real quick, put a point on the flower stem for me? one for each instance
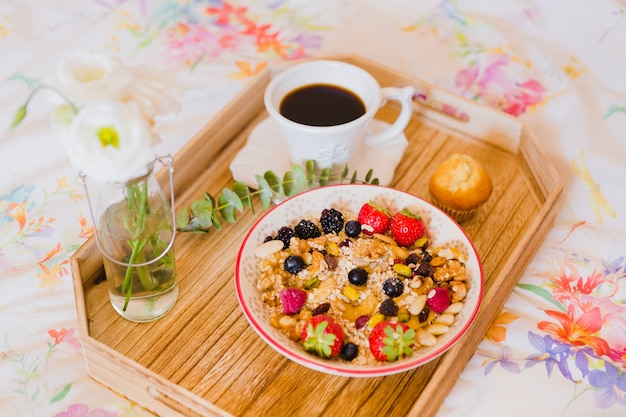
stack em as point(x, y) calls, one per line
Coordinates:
point(137, 200)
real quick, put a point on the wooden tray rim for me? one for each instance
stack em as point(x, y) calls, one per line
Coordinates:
point(167, 398)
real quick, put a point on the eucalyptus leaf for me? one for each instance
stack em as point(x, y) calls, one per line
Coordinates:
point(202, 211)
point(299, 179)
point(345, 173)
point(217, 222)
point(182, 219)
point(243, 192)
point(310, 173)
point(227, 203)
point(324, 176)
point(288, 184)
point(265, 192)
point(274, 181)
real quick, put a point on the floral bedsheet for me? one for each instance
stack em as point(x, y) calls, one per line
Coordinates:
point(557, 348)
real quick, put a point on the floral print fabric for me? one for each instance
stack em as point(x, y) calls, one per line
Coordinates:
point(558, 347)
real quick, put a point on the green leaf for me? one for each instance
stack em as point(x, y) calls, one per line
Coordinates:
point(228, 202)
point(20, 114)
point(324, 176)
point(217, 222)
point(274, 181)
point(345, 173)
point(265, 192)
point(299, 179)
point(310, 173)
point(368, 176)
point(546, 295)
point(61, 394)
point(202, 211)
point(243, 192)
point(182, 218)
point(288, 184)
point(354, 178)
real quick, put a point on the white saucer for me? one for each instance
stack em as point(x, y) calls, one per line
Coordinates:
point(265, 150)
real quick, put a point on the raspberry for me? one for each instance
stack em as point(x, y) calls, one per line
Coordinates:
point(292, 300)
point(331, 221)
point(306, 229)
point(438, 299)
point(285, 234)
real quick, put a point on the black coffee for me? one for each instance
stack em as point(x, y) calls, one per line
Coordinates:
point(322, 105)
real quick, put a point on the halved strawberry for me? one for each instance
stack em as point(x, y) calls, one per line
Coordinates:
point(322, 336)
point(390, 341)
point(406, 227)
point(292, 300)
point(373, 218)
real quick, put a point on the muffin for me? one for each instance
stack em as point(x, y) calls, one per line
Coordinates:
point(460, 186)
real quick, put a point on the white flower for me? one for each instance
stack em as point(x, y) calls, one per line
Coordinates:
point(108, 141)
point(89, 77)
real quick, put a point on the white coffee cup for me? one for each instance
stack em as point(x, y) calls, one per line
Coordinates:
point(334, 146)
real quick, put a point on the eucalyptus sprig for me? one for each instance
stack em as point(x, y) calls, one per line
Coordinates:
point(209, 212)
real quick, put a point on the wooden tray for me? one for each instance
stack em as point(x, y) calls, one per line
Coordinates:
point(204, 359)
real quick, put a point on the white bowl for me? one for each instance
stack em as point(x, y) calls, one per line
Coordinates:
point(441, 228)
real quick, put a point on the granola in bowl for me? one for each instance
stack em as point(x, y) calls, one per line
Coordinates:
point(332, 291)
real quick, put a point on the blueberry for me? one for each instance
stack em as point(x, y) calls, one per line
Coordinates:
point(393, 287)
point(349, 351)
point(353, 228)
point(357, 276)
point(293, 264)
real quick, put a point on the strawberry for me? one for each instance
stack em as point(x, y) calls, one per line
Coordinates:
point(406, 227)
point(292, 300)
point(390, 341)
point(322, 336)
point(373, 218)
point(438, 299)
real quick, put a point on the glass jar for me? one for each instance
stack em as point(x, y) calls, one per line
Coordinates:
point(135, 231)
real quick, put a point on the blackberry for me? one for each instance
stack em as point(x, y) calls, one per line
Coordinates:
point(353, 228)
point(331, 221)
point(285, 234)
point(306, 229)
point(393, 287)
point(349, 351)
point(389, 307)
point(293, 264)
